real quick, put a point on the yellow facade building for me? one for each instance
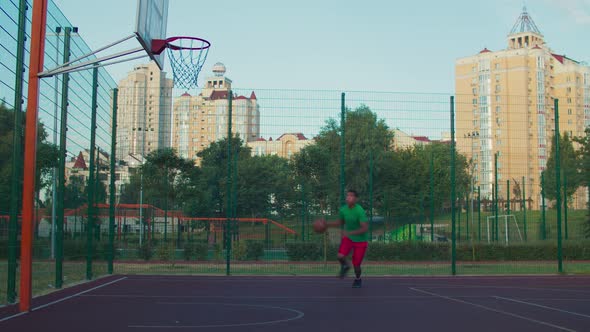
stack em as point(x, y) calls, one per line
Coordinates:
point(505, 105)
point(285, 146)
point(203, 119)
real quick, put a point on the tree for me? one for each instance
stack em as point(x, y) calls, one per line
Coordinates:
point(266, 187)
point(404, 179)
point(74, 193)
point(163, 176)
point(319, 164)
point(569, 169)
point(214, 160)
point(46, 157)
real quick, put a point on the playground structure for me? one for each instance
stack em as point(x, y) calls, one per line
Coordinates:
point(159, 224)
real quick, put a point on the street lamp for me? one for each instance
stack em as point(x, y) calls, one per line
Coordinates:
point(472, 136)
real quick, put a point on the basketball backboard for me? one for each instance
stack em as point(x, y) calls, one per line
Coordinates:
point(152, 20)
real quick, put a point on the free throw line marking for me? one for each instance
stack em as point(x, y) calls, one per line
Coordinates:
point(298, 315)
point(542, 306)
point(493, 310)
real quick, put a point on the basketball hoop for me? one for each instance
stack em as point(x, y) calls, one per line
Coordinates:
point(187, 56)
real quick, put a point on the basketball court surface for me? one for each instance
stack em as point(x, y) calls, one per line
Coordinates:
point(158, 303)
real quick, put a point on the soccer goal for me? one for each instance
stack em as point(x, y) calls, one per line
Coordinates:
point(510, 230)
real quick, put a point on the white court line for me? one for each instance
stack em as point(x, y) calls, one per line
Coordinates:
point(262, 297)
point(62, 299)
point(542, 306)
point(507, 287)
point(298, 313)
point(390, 277)
point(13, 316)
point(493, 310)
point(555, 299)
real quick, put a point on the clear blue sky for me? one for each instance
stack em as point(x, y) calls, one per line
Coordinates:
point(407, 46)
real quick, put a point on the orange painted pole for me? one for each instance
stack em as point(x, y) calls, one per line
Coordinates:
point(37, 53)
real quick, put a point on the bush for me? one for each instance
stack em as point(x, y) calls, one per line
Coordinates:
point(408, 251)
point(441, 252)
point(165, 252)
point(254, 250)
point(76, 249)
point(195, 251)
point(239, 251)
point(304, 251)
point(145, 252)
point(218, 252)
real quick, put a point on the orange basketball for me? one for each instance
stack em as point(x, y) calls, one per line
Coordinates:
point(319, 226)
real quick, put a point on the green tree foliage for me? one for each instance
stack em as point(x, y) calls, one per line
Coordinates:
point(569, 169)
point(214, 161)
point(46, 157)
point(401, 177)
point(319, 164)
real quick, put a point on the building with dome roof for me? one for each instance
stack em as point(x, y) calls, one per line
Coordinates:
point(201, 119)
point(505, 107)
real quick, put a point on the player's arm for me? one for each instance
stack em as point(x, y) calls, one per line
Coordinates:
point(335, 224)
point(361, 230)
point(338, 223)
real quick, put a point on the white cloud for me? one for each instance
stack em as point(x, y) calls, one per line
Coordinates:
point(578, 10)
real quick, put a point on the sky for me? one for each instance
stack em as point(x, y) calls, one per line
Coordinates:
point(401, 46)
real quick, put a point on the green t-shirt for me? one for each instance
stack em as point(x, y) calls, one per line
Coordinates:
point(353, 217)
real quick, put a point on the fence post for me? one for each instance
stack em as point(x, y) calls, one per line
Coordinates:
point(496, 226)
point(479, 213)
point(228, 233)
point(524, 207)
point(565, 208)
point(558, 187)
point(431, 195)
point(112, 198)
point(459, 218)
point(61, 169)
point(15, 192)
point(543, 220)
point(453, 193)
point(91, 174)
point(342, 147)
point(371, 165)
point(507, 210)
point(166, 207)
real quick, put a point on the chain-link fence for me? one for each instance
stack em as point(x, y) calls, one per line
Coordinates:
point(68, 105)
point(230, 181)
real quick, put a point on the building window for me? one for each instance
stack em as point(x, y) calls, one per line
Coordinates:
point(569, 100)
point(474, 101)
point(498, 78)
point(498, 99)
point(474, 91)
point(498, 109)
point(498, 88)
point(497, 67)
point(569, 111)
